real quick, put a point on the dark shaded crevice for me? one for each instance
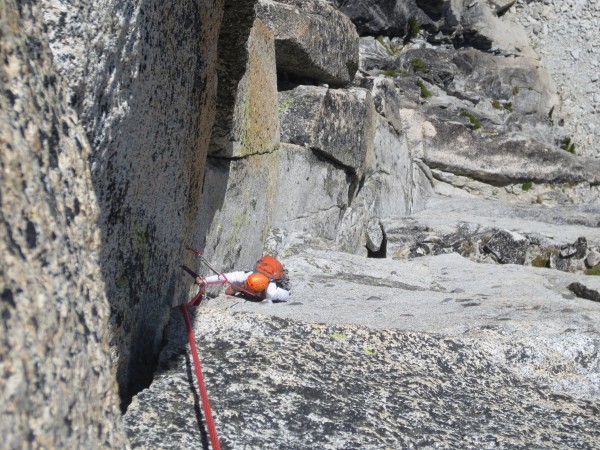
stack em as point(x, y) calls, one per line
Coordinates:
point(287, 81)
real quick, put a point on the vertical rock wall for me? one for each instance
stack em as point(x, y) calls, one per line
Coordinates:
point(56, 385)
point(142, 76)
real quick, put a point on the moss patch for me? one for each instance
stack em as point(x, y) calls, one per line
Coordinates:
point(540, 261)
point(593, 271)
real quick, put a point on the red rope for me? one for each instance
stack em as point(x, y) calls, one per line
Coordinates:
point(210, 423)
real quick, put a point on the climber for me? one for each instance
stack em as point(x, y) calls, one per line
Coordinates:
point(268, 281)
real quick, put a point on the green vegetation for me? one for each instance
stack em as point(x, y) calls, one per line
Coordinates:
point(391, 48)
point(593, 271)
point(515, 90)
point(394, 72)
point(540, 261)
point(419, 65)
point(425, 93)
point(506, 105)
point(567, 145)
point(474, 121)
point(413, 26)
point(526, 186)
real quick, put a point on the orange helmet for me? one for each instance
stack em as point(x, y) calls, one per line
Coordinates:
point(257, 282)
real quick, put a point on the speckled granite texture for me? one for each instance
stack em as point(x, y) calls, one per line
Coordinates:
point(276, 383)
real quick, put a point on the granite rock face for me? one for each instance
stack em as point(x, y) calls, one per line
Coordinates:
point(306, 114)
point(374, 17)
point(415, 355)
point(313, 40)
point(246, 121)
point(56, 385)
point(142, 78)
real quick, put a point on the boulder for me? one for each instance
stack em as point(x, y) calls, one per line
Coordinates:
point(519, 80)
point(577, 250)
point(508, 247)
point(375, 57)
point(339, 124)
point(593, 258)
point(246, 121)
point(559, 263)
point(374, 236)
point(57, 388)
point(473, 75)
point(582, 291)
point(388, 187)
point(312, 40)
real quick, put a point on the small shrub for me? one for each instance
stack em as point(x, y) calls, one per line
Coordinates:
point(474, 121)
point(540, 261)
point(567, 145)
point(419, 65)
point(496, 104)
point(425, 93)
point(593, 271)
point(526, 186)
point(394, 72)
point(515, 90)
point(413, 27)
point(507, 106)
point(390, 48)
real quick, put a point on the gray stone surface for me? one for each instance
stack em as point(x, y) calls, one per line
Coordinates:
point(456, 148)
point(433, 352)
point(312, 40)
point(56, 385)
point(141, 76)
point(312, 194)
point(593, 258)
point(377, 17)
point(237, 209)
point(338, 123)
